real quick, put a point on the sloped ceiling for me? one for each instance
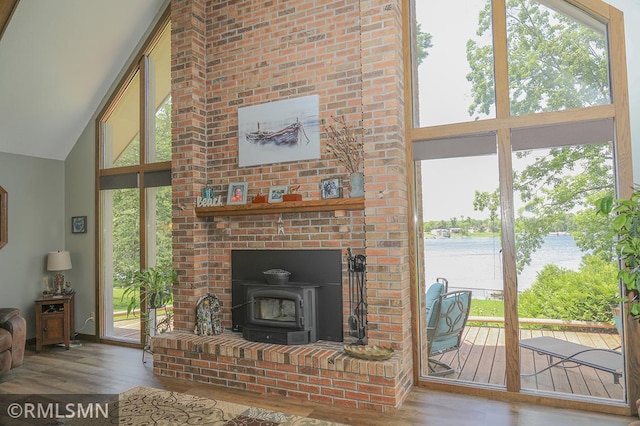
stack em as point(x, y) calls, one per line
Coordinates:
point(57, 61)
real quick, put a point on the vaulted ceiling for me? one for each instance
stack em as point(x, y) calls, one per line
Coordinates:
point(58, 59)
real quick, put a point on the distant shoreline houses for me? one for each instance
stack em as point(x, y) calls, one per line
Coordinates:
point(446, 232)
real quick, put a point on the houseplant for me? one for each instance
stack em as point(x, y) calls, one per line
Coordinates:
point(626, 225)
point(346, 146)
point(152, 287)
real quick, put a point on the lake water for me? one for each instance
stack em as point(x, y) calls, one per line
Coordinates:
point(476, 263)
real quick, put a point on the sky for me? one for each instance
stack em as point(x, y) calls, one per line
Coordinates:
point(445, 95)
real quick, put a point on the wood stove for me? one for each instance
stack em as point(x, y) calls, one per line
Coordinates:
point(284, 315)
point(306, 309)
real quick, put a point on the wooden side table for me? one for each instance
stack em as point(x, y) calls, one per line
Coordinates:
point(54, 320)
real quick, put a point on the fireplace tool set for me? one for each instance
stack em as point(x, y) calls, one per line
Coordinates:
point(357, 304)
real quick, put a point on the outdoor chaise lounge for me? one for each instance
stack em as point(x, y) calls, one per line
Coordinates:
point(568, 352)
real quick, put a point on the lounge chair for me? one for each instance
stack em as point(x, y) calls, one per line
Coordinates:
point(447, 314)
point(571, 355)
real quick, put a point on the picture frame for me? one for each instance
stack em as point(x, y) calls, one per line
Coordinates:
point(279, 131)
point(79, 224)
point(330, 188)
point(276, 193)
point(237, 193)
point(4, 220)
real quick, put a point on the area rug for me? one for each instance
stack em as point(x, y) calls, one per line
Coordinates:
point(147, 406)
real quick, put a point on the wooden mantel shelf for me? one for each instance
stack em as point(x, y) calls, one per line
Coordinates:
point(283, 207)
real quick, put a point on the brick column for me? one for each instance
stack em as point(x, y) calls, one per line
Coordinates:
point(188, 59)
point(385, 169)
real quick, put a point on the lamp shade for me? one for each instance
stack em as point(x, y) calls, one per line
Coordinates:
point(58, 261)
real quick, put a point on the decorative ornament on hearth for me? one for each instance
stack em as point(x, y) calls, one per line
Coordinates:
point(208, 316)
point(346, 146)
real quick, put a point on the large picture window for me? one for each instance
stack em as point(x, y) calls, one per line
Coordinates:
point(511, 147)
point(134, 184)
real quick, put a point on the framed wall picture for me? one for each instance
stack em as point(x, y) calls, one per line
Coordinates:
point(237, 193)
point(276, 193)
point(279, 131)
point(330, 188)
point(4, 220)
point(79, 224)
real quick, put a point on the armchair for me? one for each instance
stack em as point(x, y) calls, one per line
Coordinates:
point(13, 336)
point(446, 319)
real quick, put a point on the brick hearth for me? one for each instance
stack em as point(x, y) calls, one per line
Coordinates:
point(319, 372)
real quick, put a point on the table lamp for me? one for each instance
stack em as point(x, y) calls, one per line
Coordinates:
point(58, 261)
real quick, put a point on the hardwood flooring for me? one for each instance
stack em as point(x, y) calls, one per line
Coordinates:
point(98, 368)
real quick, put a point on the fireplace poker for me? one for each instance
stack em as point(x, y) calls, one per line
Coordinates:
point(357, 319)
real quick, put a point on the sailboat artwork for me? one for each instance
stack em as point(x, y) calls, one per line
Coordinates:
point(280, 131)
point(288, 136)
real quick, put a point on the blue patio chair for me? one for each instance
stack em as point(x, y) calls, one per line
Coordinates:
point(446, 319)
point(441, 286)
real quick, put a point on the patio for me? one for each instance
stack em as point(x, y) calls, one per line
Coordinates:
point(482, 359)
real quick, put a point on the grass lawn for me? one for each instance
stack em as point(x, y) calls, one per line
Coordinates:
point(118, 303)
point(487, 308)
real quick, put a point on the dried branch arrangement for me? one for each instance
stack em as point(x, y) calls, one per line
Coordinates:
point(345, 144)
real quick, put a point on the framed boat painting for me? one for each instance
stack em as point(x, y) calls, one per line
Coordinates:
point(280, 131)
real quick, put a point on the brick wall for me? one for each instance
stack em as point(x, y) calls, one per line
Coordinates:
point(234, 54)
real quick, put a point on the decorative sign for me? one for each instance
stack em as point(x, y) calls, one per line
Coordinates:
point(209, 202)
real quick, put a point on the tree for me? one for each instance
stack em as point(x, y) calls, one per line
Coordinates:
point(126, 202)
point(423, 43)
point(555, 63)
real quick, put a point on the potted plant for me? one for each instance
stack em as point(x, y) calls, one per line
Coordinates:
point(152, 287)
point(627, 225)
point(346, 146)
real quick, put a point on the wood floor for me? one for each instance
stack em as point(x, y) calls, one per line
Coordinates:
point(97, 368)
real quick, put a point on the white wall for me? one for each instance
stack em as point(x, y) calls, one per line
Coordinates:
point(37, 223)
point(79, 190)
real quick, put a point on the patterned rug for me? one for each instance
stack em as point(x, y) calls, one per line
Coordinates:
point(146, 406)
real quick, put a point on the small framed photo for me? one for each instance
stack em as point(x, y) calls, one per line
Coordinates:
point(79, 224)
point(276, 193)
point(237, 193)
point(330, 188)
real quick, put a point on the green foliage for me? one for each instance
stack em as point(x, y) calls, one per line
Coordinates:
point(555, 63)
point(423, 43)
point(585, 295)
point(126, 209)
point(151, 287)
point(627, 225)
point(487, 308)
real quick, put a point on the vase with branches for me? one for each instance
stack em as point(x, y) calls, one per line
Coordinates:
point(345, 145)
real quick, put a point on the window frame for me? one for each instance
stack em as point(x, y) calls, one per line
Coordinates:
point(423, 139)
point(140, 65)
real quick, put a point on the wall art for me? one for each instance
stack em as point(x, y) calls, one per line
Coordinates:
point(78, 224)
point(279, 131)
point(276, 193)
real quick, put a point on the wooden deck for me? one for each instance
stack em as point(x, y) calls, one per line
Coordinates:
point(482, 361)
point(127, 329)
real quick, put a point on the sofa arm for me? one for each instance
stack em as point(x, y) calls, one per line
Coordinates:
point(7, 313)
point(14, 323)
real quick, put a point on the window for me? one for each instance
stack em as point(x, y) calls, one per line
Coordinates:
point(517, 132)
point(135, 184)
